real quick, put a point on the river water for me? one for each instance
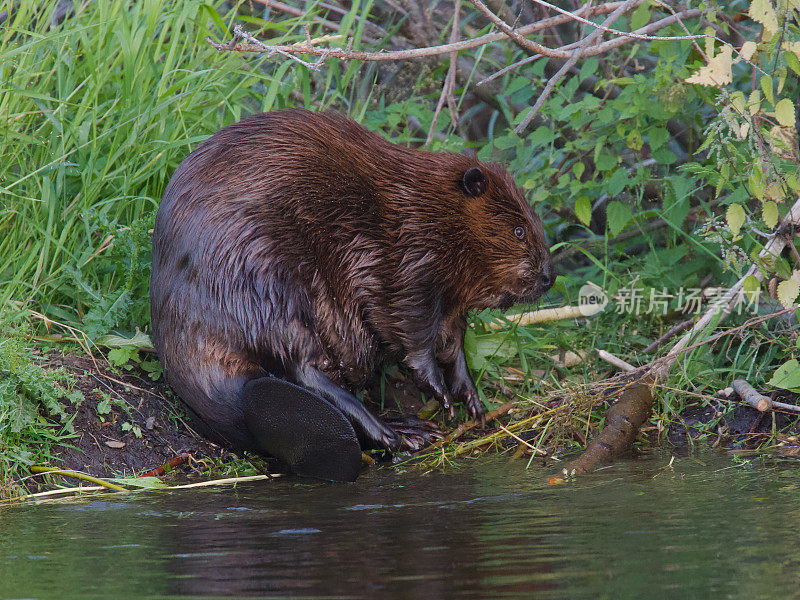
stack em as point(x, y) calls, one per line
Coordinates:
point(705, 527)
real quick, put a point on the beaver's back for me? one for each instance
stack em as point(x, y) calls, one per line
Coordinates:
point(275, 225)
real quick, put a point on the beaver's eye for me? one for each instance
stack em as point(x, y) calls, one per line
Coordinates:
point(519, 232)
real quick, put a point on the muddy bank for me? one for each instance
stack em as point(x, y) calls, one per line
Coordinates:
point(128, 424)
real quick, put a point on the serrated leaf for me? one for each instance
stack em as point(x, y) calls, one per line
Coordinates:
point(735, 218)
point(766, 87)
point(784, 112)
point(769, 214)
point(756, 181)
point(754, 102)
point(787, 292)
point(618, 215)
point(744, 129)
point(738, 102)
point(657, 136)
point(104, 406)
point(583, 210)
point(617, 182)
point(793, 61)
point(763, 12)
point(748, 49)
point(121, 356)
point(717, 71)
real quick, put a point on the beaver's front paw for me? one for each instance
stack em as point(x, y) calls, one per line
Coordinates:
point(417, 433)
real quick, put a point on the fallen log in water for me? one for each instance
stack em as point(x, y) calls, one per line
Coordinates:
point(623, 421)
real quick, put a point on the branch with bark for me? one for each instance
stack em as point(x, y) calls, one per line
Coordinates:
point(245, 42)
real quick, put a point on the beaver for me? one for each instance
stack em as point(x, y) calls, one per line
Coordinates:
point(293, 251)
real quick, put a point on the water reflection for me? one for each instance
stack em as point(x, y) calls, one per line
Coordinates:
point(636, 530)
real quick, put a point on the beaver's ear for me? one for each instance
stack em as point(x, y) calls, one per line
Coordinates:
point(473, 182)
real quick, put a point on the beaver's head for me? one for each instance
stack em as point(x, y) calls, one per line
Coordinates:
point(509, 255)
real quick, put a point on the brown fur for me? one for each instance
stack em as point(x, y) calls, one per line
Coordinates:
point(300, 244)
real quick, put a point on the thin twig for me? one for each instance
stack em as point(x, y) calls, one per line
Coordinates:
point(637, 36)
point(669, 335)
point(573, 58)
point(605, 46)
point(449, 81)
point(521, 441)
point(325, 54)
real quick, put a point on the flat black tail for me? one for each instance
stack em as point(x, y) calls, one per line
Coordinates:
point(302, 429)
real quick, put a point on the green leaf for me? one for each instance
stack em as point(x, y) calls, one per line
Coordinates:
point(766, 87)
point(618, 215)
point(152, 368)
point(211, 13)
point(504, 142)
point(735, 217)
point(751, 286)
point(641, 16)
point(787, 376)
point(664, 156)
point(140, 341)
point(122, 356)
point(588, 67)
point(149, 483)
point(104, 406)
point(792, 61)
point(617, 182)
point(657, 136)
point(483, 349)
point(769, 214)
point(542, 136)
point(605, 161)
point(784, 112)
point(583, 209)
point(738, 102)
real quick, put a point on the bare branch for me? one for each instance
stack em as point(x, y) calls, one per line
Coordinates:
point(605, 46)
point(585, 43)
point(515, 35)
point(450, 80)
point(259, 47)
point(633, 34)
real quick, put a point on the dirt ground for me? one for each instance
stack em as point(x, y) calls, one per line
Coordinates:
point(158, 428)
point(147, 426)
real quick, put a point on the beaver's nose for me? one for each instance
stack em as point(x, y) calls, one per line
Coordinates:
point(548, 276)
